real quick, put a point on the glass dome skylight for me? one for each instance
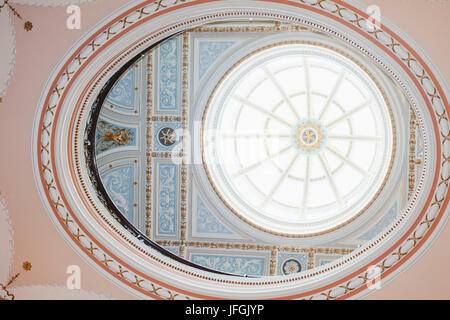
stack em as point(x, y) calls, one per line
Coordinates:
point(297, 139)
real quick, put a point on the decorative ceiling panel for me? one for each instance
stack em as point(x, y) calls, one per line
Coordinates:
point(208, 52)
point(119, 181)
point(110, 136)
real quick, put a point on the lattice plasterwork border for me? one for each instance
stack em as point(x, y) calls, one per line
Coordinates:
point(184, 169)
point(435, 97)
point(278, 27)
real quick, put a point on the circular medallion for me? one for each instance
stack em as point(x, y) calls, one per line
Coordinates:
point(167, 137)
point(291, 266)
point(309, 136)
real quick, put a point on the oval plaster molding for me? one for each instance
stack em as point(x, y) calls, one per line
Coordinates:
point(58, 144)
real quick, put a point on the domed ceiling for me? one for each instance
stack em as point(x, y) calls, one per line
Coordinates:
point(243, 149)
point(325, 144)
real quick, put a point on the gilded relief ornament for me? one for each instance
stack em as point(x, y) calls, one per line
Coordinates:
point(167, 137)
point(110, 136)
point(291, 266)
point(28, 26)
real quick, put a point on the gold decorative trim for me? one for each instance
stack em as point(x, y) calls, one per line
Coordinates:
point(413, 161)
point(110, 136)
point(167, 155)
point(148, 155)
point(184, 177)
point(354, 217)
point(273, 262)
point(274, 250)
point(249, 246)
point(278, 27)
point(311, 262)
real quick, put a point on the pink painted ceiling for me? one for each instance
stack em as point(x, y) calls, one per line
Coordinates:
point(36, 239)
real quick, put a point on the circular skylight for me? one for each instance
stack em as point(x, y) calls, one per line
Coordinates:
point(297, 139)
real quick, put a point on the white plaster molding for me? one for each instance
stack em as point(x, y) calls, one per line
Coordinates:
point(6, 242)
point(7, 49)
